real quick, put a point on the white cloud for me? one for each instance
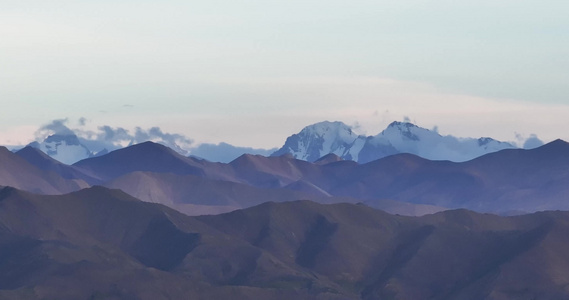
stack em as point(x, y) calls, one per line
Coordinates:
point(532, 142)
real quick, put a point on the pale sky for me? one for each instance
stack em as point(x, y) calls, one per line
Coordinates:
point(251, 73)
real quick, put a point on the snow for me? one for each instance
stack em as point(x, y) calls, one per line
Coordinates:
point(67, 154)
point(322, 138)
point(409, 138)
point(64, 148)
point(355, 149)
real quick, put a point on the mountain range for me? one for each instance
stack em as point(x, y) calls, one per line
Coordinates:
point(101, 243)
point(510, 181)
point(317, 140)
point(310, 144)
point(146, 222)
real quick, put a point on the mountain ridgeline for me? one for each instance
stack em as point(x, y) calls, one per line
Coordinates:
point(510, 181)
point(146, 222)
point(318, 140)
point(310, 144)
point(100, 243)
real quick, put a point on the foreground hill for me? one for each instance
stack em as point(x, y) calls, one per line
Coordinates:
point(101, 243)
point(104, 244)
point(450, 255)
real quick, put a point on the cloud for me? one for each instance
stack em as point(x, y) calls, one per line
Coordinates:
point(532, 142)
point(116, 137)
point(169, 137)
point(110, 134)
point(528, 143)
point(82, 121)
point(111, 138)
point(141, 135)
point(175, 141)
point(54, 127)
point(406, 119)
point(357, 128)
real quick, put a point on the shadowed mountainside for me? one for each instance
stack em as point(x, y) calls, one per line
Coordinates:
point(507, 182)
point(195, 195)
point(17, 172)
point(45, 162)
point(101, 243)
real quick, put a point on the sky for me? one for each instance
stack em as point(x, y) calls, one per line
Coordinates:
point(250, 73)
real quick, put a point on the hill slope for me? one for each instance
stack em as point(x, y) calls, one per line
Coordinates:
point(101, 243)
point(15, 171)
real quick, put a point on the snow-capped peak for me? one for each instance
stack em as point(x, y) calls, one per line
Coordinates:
point(322, 138)
point(319, 139)
point(331, 133)
point(397, 124)
point(65, 148)
point(407, 131)
point(325, 127)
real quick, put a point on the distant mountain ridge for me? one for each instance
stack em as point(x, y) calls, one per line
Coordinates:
point(310, 144)
point(320, 139)
point(510, 181)
point(65, 148)
point(317, 140)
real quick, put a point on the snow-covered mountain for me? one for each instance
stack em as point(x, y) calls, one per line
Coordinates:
point(310, 144)
point(64, 148)
point(319, 139)
point(69, 149)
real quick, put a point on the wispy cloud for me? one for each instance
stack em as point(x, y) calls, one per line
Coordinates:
point(175, 141)
point(82, 121)
point(54, 127)
point(532, 142)
point(110, 138)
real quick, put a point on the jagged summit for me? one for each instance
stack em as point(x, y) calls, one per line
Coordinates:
point(317, 140)
point(401, 124)
point(324, 127)
point(485, 140)
point(405, 130)
point(65, 148)
point(309, 144)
